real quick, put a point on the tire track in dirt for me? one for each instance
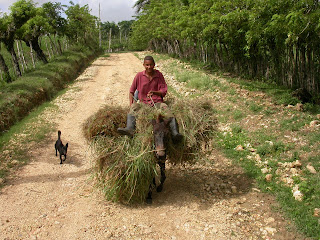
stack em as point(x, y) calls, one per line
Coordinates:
point(51, 201)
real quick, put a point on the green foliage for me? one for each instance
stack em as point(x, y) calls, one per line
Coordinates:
point(22, 11)
point(33, 24)
point(53, 14)
point(265, 40)
point(81, 24)
point(21, 96)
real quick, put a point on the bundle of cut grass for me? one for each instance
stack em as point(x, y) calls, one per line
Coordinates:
point(105, 122)
point(197, 123)
point(124, 167)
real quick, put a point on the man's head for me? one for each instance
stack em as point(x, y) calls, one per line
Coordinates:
point(149, 64)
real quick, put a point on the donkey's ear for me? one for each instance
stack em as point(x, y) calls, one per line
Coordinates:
point(67, 145)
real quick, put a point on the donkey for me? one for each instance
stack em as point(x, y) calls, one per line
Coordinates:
point(161, 134)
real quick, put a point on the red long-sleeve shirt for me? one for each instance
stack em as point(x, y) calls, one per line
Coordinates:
point(142, 83)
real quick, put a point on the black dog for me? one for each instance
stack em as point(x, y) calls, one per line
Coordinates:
point(61, 148)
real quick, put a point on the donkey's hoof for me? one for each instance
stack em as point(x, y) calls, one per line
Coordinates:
point(159, 188)
point(149, 200)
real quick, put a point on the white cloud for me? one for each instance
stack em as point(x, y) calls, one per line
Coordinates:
point(111, 10)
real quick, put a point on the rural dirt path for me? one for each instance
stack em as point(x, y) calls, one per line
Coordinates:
point(47, 200)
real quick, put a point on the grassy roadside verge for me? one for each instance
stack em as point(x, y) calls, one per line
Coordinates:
point(278, 144)
point(18, 142)
point(18, 98)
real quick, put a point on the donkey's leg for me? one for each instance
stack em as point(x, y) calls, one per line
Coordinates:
point(149, 197)
point(163, 175)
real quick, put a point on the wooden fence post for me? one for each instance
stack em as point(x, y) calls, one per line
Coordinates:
point(110, 32)
point(20, 58)
point(48, 50)
point(31, 53)
point(22, 54)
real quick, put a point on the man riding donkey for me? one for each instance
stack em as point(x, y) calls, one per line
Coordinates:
point(149, 87)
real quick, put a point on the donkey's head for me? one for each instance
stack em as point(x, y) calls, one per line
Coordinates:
point(161, 135)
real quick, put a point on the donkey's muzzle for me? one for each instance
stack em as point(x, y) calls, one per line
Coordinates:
point(161, 154)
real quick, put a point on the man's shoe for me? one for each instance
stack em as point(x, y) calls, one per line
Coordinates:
point(130, 128)
point(176, 136)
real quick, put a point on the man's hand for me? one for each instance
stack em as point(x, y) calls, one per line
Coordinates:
point(130, 98)
point(149, 95)
point(158, 93)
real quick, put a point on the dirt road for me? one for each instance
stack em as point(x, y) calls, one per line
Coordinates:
point(51, 201)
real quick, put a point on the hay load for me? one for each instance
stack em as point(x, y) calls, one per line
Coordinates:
point(125, 167)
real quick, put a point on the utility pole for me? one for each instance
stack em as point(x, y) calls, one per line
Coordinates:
point(110, 32)
point(99, 28)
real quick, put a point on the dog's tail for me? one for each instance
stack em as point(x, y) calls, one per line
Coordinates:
point(59, 134)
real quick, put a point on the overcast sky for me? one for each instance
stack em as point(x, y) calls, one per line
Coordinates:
point(111, 10)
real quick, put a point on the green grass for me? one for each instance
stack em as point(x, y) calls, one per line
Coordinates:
point(18, 138)
point(280, 94)
point(21, 96)
point(268, 112)
point(301, 213)
point(295, 123)
point(253, 107)
point(196, 80)
point(106, 55)
point(238, 114)
point(232, 92)
point(24, 100)
point(314, 138)
point(274, 149)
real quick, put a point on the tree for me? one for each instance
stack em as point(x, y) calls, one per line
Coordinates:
point(81, 24)
point(56, 23)
point(105, 29)
point(264, 39)
point(21, 12)
point(32, 30)
point(125, 27)
point(141, 4)
point(7, 36)
point(3, 64)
